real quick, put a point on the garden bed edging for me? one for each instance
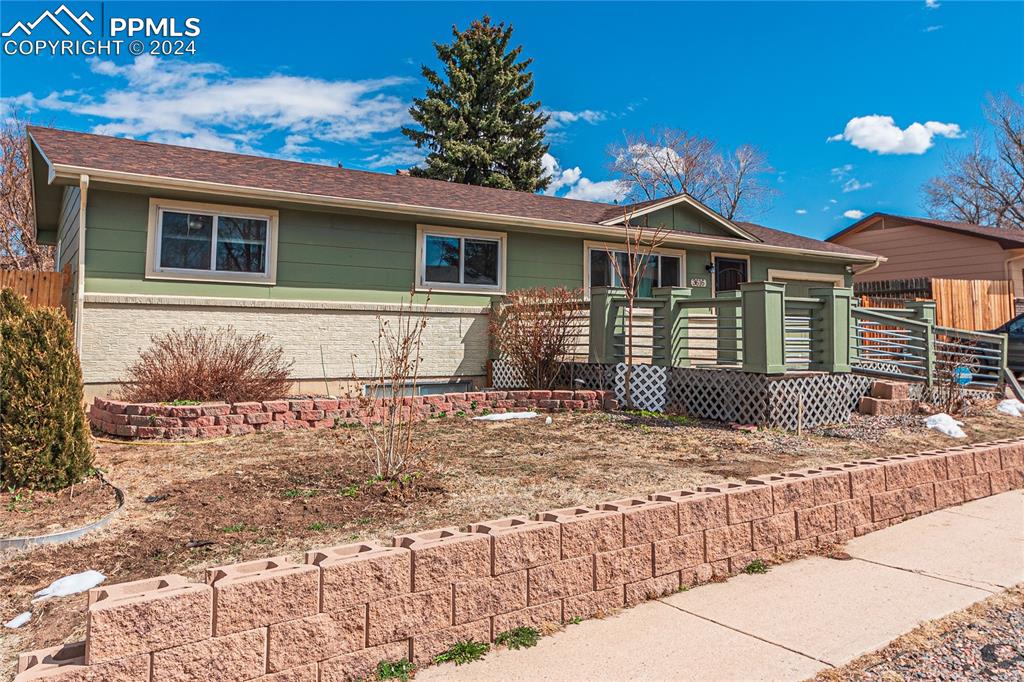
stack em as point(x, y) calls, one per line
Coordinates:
point(215, 420)
point(335, 616)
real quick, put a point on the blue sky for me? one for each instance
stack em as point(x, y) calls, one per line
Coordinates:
point(331, 82)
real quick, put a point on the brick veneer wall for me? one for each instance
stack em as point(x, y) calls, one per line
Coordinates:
point(346, 608)
point(213, 420)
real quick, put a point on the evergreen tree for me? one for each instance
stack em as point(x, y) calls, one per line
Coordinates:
point(480, 126)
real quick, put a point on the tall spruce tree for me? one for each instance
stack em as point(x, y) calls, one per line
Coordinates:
point(478, 121)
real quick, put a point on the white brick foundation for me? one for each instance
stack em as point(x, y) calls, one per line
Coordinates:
point(116, 328)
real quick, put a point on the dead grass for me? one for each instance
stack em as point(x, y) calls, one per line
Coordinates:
point(283, 493)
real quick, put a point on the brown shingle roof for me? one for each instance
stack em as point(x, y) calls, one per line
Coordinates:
point(99, 152)
point(1008, 239)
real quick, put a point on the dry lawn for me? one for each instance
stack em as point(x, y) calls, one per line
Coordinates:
point(282, 493)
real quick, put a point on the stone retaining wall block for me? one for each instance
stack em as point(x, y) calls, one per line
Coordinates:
point(262, 592)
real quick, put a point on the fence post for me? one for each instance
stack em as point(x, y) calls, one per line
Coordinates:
point(764, 327)
point(670, 325)
point(924, 311)
point(833, 346)
point(602, 324)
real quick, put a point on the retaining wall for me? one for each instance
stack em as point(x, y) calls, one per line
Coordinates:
point(346, 608)
point(213, 420)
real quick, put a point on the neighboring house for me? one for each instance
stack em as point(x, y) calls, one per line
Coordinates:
point(162, 237)
point(927, 248)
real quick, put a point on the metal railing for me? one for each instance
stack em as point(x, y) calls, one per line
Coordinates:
point(647, 326)
point(803, 332)
point(980, 354)
point(891, 345)
point(713, 333)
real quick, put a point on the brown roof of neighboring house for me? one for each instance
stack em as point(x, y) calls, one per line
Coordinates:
point(100, 152)
point(1008, 239)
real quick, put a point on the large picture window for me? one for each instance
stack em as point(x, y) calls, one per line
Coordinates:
point(663, 269)
point(209, 242)
point(450, 258)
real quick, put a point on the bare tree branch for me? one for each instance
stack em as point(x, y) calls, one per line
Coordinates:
point(985, 186)
point(669, 161)
point(18, 247)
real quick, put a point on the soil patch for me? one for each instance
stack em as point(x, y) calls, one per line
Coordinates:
point(270, 494)
point(33, 512)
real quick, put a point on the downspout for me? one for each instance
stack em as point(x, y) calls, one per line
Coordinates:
point(878, 261)
point(83, 186)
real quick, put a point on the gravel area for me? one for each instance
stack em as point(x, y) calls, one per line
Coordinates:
point(983, 642)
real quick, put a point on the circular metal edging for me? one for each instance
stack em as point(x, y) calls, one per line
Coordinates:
point(66, 535)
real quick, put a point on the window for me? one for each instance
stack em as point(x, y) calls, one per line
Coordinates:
point(463, 260)
point(730, 272)
point(209, 242)
point(663, 269)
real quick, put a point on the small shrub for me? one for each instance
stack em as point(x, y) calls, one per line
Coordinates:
point(197, 365)
point(519, 638)
point(318, 526)
point(395, 670)
point(44, 439)
point(463, 652)
point(536, 330)
point(756, 566)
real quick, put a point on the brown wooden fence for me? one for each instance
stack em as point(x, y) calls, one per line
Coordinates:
point(41, 288)
point(975, 304)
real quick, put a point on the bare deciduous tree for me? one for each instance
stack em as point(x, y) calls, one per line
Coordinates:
point(641, 241)
point(670, 161)
point(397, 359)
point(985, 186)
point(18, 247)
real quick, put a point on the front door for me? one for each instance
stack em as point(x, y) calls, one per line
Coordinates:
point(730, 273)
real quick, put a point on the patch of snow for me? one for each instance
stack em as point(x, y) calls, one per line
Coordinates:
point(71, 584)
point(1012, 407)
point(505, 416)
point(944, 423)
point(19, 620)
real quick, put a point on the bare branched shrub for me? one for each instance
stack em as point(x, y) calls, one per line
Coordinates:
point(397, 359)
point(208, 365)
point(535, 330)
point(948, 394)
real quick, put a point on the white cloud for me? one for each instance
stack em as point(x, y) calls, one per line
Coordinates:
point(854, 214)
point(880, 134)
point(931, 4)
point(203, 105)
point(843, 175)
point(562, 118)
point(578, 186)
point(402, 156)
point(932, 29)
point(801, 211)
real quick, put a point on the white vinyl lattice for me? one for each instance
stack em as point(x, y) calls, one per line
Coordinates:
point(505, 376)
point(649, 386)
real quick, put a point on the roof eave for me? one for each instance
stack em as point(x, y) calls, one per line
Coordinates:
point(70, 172)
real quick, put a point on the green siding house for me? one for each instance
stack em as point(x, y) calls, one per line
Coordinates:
point(161, 237)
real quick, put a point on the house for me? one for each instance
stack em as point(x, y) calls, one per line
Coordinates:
point(919, 250)
point(162, 237)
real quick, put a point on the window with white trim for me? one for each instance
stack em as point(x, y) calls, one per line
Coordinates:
point(210, 242)
point(461, 259)
point(662, 270)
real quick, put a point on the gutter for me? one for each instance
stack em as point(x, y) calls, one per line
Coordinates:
point(70, 172)
point(83, 200)
point(878, 261)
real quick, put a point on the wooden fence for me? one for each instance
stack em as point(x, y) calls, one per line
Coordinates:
point(973, 304)
point(41, 288)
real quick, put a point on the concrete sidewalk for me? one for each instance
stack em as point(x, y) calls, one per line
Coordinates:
point(796, 620)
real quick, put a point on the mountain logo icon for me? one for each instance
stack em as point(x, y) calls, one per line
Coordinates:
point(70, 17)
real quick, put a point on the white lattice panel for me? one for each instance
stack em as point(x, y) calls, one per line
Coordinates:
point(505, 376)
point(649, 386)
